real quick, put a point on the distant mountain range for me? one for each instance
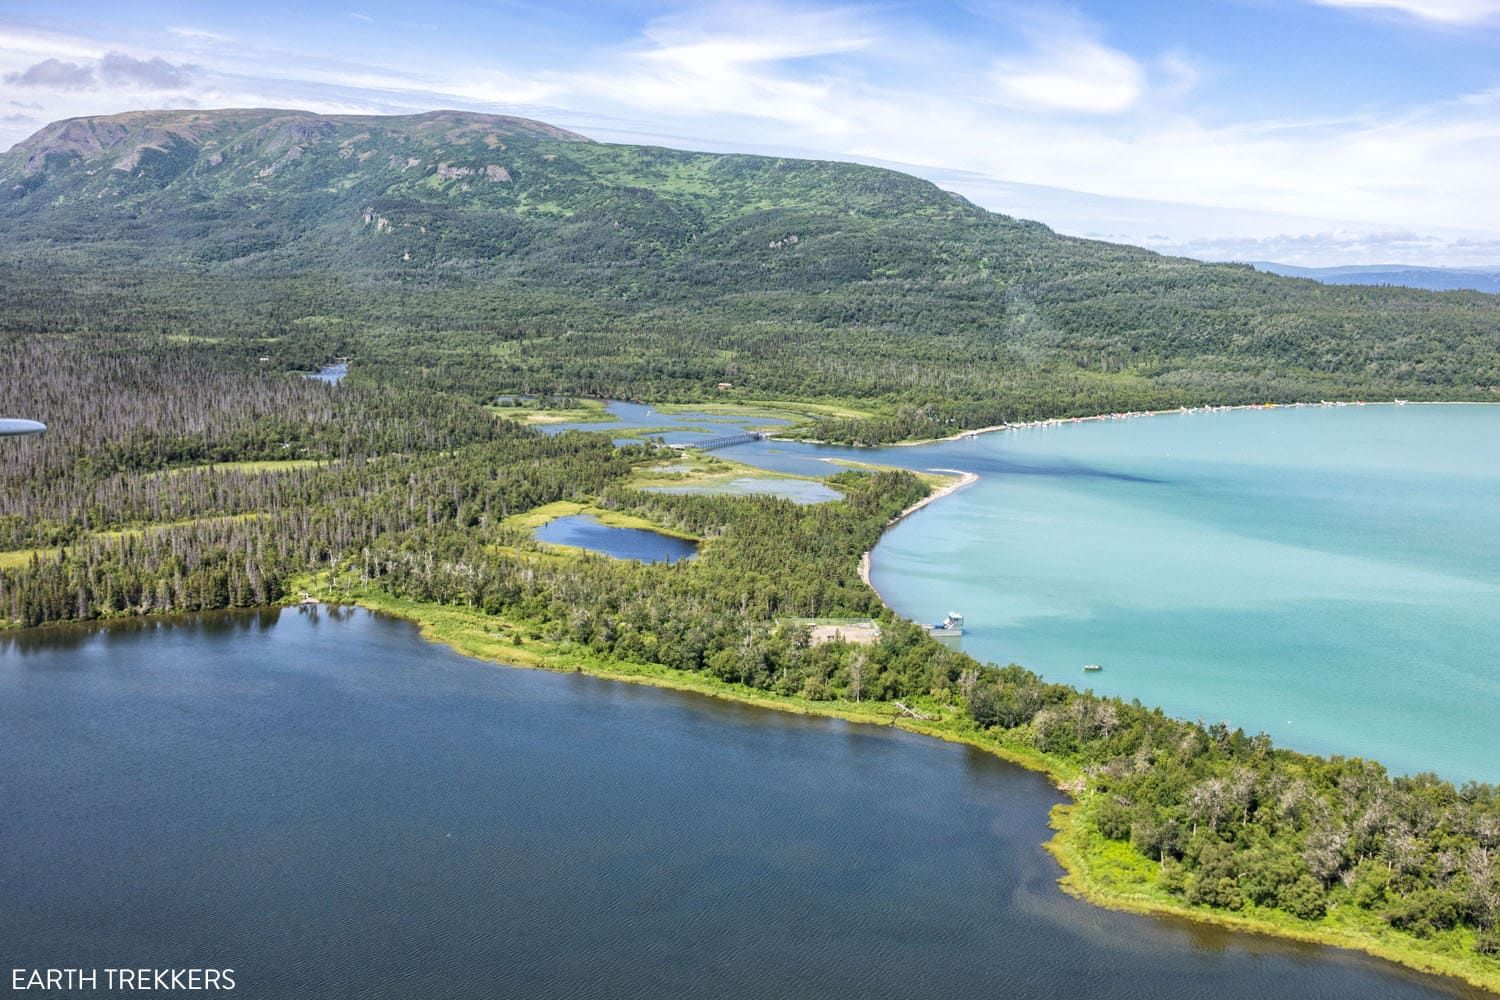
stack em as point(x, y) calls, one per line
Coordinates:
point(1434, 279)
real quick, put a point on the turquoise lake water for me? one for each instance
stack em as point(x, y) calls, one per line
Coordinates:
point(1331, 576)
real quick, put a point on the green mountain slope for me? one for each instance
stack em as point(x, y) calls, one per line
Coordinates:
point(487, 254)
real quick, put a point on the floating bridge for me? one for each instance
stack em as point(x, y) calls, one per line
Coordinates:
point(724, 441)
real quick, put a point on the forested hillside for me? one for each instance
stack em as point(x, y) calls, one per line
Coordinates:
point(479, 254)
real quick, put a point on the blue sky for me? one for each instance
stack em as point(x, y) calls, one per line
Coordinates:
point(1306, 131)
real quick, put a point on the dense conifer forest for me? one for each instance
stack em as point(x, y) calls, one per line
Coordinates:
point(168, 278)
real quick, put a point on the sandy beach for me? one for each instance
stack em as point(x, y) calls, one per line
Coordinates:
point(1126, 415)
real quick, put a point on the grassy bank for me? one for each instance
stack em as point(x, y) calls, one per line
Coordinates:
point(533, 413)
point(1110, 874)
point(1105, 872)
point(703, 469)
point(251, 468)
point(536, 517)
point(800, 414)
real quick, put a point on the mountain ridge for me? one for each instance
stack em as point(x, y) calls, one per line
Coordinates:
point(98, 133)
point(394, 172)
point(484, 254)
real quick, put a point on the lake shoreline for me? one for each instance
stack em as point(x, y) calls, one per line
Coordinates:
point(482, 637)
point(471, 633)
point(1026, 425)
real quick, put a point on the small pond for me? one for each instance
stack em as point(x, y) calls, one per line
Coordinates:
point(800, 491)
point(332, 374)
point(586, 532)
point(672, 428)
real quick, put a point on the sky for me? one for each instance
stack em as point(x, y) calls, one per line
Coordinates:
point(1310, 132)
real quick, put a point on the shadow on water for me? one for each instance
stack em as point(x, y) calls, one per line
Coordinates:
point(966, 456)
point(48, 639)
point(225, 623)
point(1055, 470)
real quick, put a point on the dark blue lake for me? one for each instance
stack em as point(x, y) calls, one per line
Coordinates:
point(586, 532)
point(334, 808)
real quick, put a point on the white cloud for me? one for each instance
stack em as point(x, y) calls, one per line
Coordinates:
point(53, 74)
point(753, 62)
point(1178, 75)
point(29, 44)
point(758, 34)
point(1453, 12)
point(119, 69)
point(1071, 74)
point(115, 69)
point(199, 35)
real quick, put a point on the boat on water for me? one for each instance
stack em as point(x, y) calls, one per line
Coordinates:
point(1092, 667)
point(952, 625)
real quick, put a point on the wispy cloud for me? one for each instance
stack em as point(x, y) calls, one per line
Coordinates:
point(199, 34)
point(1068, 69)
point(763, 63)
point(1454, 12)
point(1179, 75)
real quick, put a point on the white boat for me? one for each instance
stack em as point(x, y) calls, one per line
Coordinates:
point(952, 625)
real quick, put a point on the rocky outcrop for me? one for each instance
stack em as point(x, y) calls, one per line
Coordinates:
point(265, 140)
